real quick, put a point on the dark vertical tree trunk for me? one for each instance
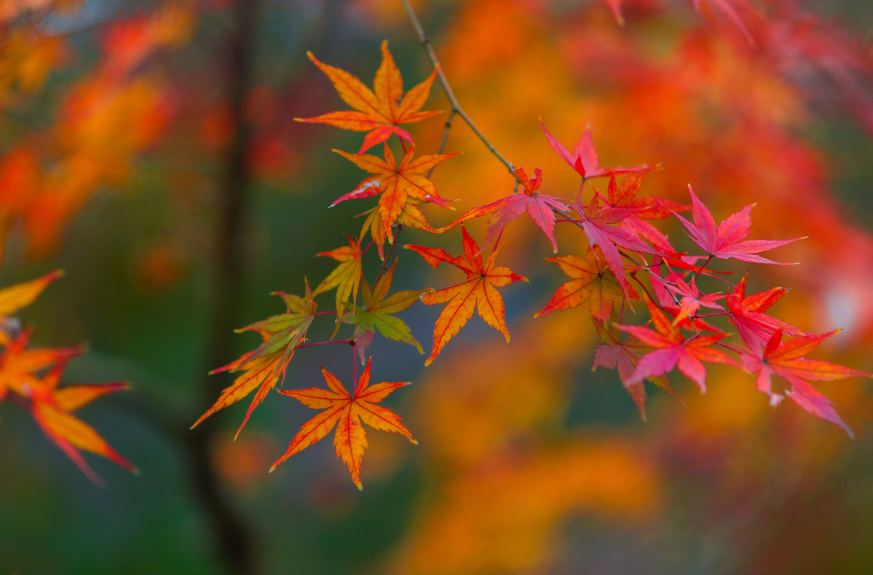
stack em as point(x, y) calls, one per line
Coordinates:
point(233, 540)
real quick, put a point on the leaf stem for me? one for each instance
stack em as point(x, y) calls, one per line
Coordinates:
point(700, 269)
point(387, 261)
point(447, 89)
point(345, 341)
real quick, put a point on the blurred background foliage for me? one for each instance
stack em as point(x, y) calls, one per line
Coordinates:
point(121, 122)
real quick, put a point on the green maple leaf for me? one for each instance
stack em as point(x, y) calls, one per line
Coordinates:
point(377, 313)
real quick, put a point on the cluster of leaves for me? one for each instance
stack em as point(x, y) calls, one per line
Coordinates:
point(30, 378)
point(624, 249)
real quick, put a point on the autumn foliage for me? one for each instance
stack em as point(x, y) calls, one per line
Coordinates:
point(624, 249)
point(553, 204)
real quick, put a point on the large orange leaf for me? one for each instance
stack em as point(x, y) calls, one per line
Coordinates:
point(346, 412)
point(479, 292)
point(380, 111)
point(263, 367)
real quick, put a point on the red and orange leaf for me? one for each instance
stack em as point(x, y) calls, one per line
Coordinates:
point(345, 412)
point(51, 407)
point(345, 277)
point(726, 240)
point(593, 282)
point(672, 349)
point(540, 208)
point(479, 292)
point(788, 360)
point(20, 365)
point(265, 366)
point(398, 185)
point(379, 113)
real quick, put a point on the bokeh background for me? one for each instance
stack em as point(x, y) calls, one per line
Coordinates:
point(149, 149)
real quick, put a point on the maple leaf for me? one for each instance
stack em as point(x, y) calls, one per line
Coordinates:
point(584, 158)
point(787, 360)
point(380, 111)
point(672, 349)
point(52, 407)
point(20, 365)
point(478, 292)
point(597, 222)
point(263, 367)
point(377, 313)
point(690, 299)
point(725, 241)
point(346, 412)
point(397, 184)
point(540, 208)
point(747, 313)
point(15, 297)
point(613, 353)
point(345, 277)
point(592, 281)
point(626, 195)
point(410, 217)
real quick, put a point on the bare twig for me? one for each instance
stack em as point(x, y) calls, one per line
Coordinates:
point(447, 89)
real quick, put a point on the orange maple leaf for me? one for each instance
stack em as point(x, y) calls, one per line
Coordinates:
point(18, 296)
point(264, 366)
point(19, 365)
point(593, 281)
point(380, 111)
point(478, 292)
point(52, 407)
point(346, 412)
point(398, 184)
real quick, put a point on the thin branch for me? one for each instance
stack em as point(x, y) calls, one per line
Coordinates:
point(447, 89)
point(445, 139)
point(387, 261)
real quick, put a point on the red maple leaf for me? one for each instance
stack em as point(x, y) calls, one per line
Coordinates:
point(747, 313)
point(626, 195)
point(584, 158)
point(726, 240)
point(786, 359)
point(673, 349)
point(598, 223)
point(540, 208)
